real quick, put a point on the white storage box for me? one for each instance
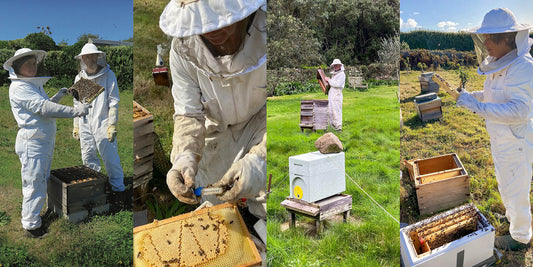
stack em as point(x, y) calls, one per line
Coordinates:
point(461, 237)
point(315, 176)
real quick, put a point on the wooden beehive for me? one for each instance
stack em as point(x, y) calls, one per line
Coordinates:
point(85, 90)
point(77, 192)
point(306, 114)
point(143, 145)
point(320, 114)
point(321, 77)
point(441, 182)
point(429, 109)
point(160, 75)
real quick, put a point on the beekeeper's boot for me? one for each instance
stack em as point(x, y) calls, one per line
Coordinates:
point(36, 233)
point(506, 242)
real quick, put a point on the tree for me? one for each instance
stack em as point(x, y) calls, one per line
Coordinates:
point(40, 41)
point(389, 55)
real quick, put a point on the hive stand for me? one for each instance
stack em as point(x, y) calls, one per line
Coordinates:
point(313, 114)
point(319, 210)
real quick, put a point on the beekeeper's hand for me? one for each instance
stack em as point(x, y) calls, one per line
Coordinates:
point(245, 178)
point(81, 109)
point(111, 133)
point(468, 101)
point(60, 94)
point(180, 178)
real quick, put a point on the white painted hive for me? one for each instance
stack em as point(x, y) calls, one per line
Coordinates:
point(315, 176)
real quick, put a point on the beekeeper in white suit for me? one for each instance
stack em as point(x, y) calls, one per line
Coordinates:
point(35, 114)
point(218, 64)
point(336, 82)
point(502, 46)
point(97, 131)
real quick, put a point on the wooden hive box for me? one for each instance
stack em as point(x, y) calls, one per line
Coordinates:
point(320, 114)
point(321, 77)
point(77, 192)
point(441, 182)
point(429, 110)
point(143, 145)
point(306, 114)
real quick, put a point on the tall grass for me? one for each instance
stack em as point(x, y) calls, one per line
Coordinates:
point(370, 136)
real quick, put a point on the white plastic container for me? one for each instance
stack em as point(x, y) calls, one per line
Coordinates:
point(474, 249)
point(315, 176)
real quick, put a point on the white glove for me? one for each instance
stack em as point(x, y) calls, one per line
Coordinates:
point(111, 133)
point(468, 101)
point(76, 129)
point(180, 178)
point(112, 116)
point(54, 110)
point(244, 179)
point(60, 94)
point(81, 109)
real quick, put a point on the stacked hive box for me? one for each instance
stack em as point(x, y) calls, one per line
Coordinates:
point(428, 107)
point(77, 192)
point(427, 85)
point(143, 145)
point(313, 114)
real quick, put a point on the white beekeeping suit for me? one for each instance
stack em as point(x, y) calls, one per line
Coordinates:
point(97, 130)
point(219, 101)
point(506, 105)
point(35, 114)
point(336, 82)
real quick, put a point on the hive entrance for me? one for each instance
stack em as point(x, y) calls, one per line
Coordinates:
point(444, 230)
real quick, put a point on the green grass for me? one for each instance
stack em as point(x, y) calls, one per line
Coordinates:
point(459, 131)
point(103, 240)
point(370, 138)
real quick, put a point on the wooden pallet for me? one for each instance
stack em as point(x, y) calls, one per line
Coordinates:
point(319, 210)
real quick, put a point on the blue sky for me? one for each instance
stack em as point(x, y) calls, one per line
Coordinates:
point(111, 20)
point(456, 15)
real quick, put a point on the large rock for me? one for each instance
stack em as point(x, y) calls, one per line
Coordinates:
point(328, 143)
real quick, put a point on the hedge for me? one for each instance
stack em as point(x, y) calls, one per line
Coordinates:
point(63, 67)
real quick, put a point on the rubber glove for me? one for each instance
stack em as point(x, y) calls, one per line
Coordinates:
point(76, 129)
point(111, 133)
point(180, 178)
point(60, 94)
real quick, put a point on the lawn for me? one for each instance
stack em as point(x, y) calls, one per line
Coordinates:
point(370, 136)
point(101, 240)
point(461, 132)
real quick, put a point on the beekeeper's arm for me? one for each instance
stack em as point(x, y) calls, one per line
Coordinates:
point(76, 122)
point(59, 95)
point(246, 177)
point(338, 80)
point(30, 100)
point(188, 139)
point(113, 99)
point(517, 89)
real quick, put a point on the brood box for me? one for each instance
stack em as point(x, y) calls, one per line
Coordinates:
point(441, 182)
point(76, 192)
point(143, 145)
point(214, 236)
point(428, 107)
point(315, 176)
point(458, 237)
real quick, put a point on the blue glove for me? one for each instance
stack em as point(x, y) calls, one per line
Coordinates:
point(468, 101)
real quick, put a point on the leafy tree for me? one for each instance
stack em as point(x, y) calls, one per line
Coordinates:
point(40, 41)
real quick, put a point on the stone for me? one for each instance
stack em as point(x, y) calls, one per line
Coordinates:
point(328, 143)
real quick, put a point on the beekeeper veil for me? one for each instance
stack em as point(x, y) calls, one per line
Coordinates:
point(498, 24)
point(90, 48)
point(183, 18)
point(332, 66)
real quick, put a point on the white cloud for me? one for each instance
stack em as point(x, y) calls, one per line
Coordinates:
point(409, 24)
point(416, 13)
point(401, 12)
point(449, 26)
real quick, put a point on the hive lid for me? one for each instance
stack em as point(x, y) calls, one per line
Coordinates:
point(214, 236)
point(78, 173)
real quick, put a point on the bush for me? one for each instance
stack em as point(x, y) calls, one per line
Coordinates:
point(40, 41)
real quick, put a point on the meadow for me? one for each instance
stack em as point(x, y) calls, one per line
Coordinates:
point(461, 132)
point(370, 136)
